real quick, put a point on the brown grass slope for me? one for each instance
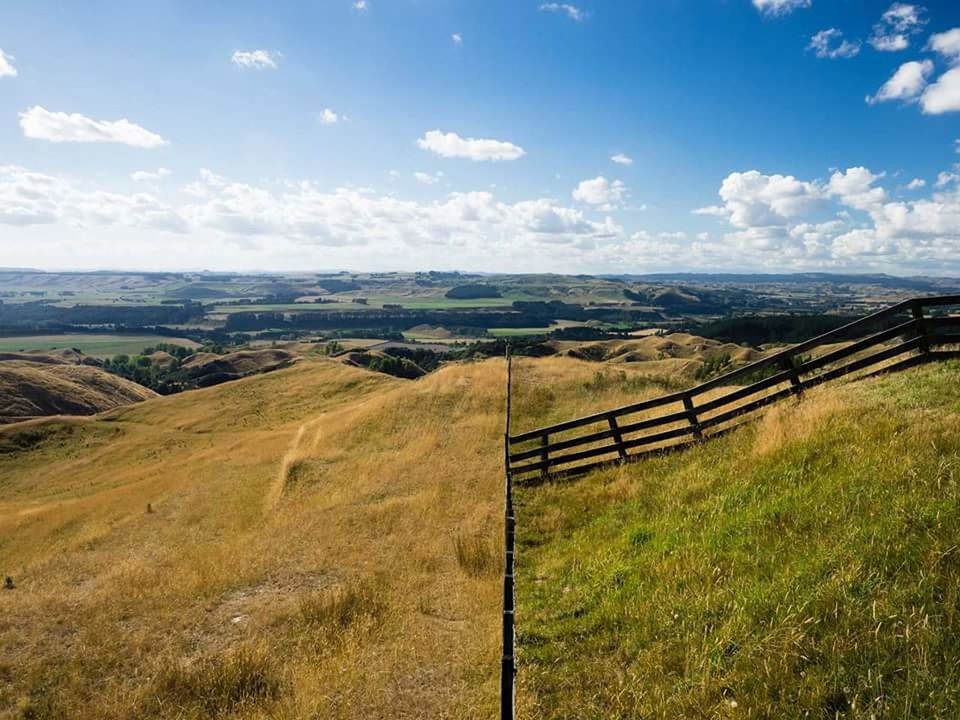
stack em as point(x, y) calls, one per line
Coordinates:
point(323, 542)
point(211, 369)
point(33, 389)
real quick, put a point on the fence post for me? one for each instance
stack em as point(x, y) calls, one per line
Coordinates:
point(617, 436)
point(692, 416)
point(790, 366)
point(916, 309)
point(544, 455)
point(508, 666)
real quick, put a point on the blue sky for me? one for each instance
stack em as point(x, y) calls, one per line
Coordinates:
point(768, 135)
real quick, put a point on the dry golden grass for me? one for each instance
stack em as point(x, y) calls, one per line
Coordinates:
point(301, 558)
point(31, 389)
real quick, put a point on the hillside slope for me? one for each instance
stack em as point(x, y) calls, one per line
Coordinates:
point(321, 541)
point(45, 386)
point(806, 566)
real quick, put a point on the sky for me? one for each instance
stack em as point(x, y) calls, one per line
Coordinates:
point(600, 136)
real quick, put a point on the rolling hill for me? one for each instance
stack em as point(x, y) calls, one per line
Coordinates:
point(60, 383)
point(325, 542)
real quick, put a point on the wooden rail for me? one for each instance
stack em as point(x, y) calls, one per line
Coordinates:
point(905, 332)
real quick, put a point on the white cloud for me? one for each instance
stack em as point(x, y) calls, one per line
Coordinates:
point(290, 224)
point(830, 45)
point(361, 5)
point(905, 84)
point(600, 191)
point(147, 176)
point(256, 59)
point(349, 216)
point(427, 178)
point(457, 39)
point(780, 7)
point(451, 145)
point(916, 184)
point(31, 198)
point(571, 11)
point(943, 95)
point(329, 117)
point(855, 188)
point(38, 123)
point(946, 44)
point(754, 199)
point(873, 233)
point(945, 178)
point(896, 26)
point(713, 210)
point(7, 68)
point(621, 159)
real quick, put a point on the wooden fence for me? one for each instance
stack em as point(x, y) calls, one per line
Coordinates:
point(508, 665)
point(906, 334)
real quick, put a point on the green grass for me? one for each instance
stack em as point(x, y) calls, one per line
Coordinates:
point(439, 302)
point(374, 302)
point(91, 344)
point(805, 567)
point(518, 332)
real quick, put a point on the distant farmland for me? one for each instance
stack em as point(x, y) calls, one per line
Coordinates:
point(90, 343)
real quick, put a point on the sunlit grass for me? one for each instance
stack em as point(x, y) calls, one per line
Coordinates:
point(805, 566)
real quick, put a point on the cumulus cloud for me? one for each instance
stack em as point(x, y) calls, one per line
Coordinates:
point(571, 11)
point(776, 217)
point(780, 7)
point(148, 176)
point(906, 84)
point(896, 26)
point(32, 198)
point(256, 59)
point(621, 159)
point(299, 221)
point(457, 39)
point(754, 199)
point(361, 5)
point(942, 96)
point(38, 123)
point(451, 145)
point(600, 191)
point(916, 184)
point(830, 45)
point(7, 68)
point(855, 187)
point(946, 44)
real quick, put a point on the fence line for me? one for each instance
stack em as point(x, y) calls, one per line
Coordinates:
point(608, 437)
point(508, 665)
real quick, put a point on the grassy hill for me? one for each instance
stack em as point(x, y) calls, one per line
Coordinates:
point(325, 542)
point(33, 385)
point(803, 567)
point(301, 556)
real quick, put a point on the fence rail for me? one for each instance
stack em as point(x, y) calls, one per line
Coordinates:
point(915, 331)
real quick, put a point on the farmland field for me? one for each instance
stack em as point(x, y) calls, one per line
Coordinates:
point(90, 343)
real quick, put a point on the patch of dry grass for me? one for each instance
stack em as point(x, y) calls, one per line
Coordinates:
point(347, 586)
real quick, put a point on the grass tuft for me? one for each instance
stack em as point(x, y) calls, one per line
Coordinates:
point(362, 603)
point(475, 556)
point(217, 685)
